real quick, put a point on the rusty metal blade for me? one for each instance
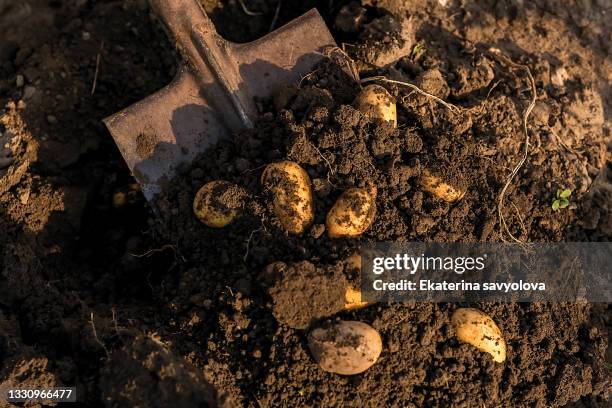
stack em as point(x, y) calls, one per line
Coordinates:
point(212, 94)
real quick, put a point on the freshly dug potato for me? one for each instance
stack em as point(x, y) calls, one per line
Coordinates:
point(353, 213)
point(478, 329)
point(376, 103)
point(217, 203)
point(352, 295)
point(353, 300)
point(440, 188)
point(292, 192)
point(346, 347)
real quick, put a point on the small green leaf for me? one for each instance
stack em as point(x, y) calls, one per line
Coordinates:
point(555, 205)
point(563, 203)
point(565, 193)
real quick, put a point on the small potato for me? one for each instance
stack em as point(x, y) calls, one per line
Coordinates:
point(346, 347)
point(216, 204)
point(352, 214)
point(292, 192)
point(376, 103)
point(478, 329)
point(352, 297)
point(440, 188)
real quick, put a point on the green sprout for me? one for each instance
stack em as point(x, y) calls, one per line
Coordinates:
point(561, 200)
point(418, 50)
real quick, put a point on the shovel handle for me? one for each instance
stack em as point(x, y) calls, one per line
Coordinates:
point(205, 52)
point(179, 17)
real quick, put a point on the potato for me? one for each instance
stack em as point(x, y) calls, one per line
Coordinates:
point(346, 347)
point(292, 191)
point(353, 300)
point(216, 204)
point(440, 188)
point(376, 103)
point(352, 297)
point(352, 214)
point(476, 328)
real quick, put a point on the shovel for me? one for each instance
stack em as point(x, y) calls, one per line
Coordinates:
point(213, 92)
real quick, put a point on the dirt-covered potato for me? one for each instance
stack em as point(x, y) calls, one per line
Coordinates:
point(376, 103)
point(443, 189)
point(352, 296)
point(217, 203)
point(476, 328)
point(292, 190)
point(346, 347)
point(352, 299)
point(353, 213)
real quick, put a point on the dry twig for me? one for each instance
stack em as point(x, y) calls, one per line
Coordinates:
point(116, 325)
point(248, 243)
point(276, 14)
point(97, 71)
point(95, 333)
point(449, 106)
point(502, 195)
point(331, 171)
point(155, 250)
point(247, 11)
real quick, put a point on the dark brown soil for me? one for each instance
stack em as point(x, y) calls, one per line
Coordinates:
point(97, 292)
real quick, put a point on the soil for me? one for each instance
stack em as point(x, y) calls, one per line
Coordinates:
point(143, 308)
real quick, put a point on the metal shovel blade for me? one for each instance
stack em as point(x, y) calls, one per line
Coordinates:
point(212, 93)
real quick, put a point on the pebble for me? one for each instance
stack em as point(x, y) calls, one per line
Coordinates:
point(19, 81)
point(51, 119)
point(86, 36)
